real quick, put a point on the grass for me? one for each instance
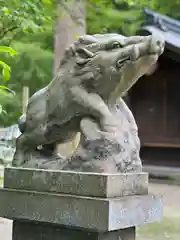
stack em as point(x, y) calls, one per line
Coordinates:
point(167, 229)
point(1, 175)
point(173, 180)
point(1, 180)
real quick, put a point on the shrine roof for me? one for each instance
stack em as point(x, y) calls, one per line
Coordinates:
point(168, 27)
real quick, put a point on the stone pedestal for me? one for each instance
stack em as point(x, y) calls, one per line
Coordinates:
point(35, 231)
point(48, 205)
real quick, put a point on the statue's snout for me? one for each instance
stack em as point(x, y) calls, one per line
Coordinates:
point(153, 44)
point(157, 44)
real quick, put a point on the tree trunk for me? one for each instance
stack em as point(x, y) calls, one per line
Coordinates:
point(25, 98)
point(70, 25)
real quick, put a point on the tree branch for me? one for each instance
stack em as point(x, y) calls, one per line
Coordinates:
point(78, 20)
point(7, 30)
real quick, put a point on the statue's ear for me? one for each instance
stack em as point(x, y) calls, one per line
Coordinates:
point(81, 61)
point(83, 56)
point(87, 39)
point(84, 53)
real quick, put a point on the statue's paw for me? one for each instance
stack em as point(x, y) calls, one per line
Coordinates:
point(18, 159)
point(109, 124)
point(90, 128)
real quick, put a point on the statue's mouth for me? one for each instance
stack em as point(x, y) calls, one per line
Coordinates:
point(132, 58)
point(122, 61)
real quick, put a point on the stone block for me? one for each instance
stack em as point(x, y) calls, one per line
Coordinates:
point(96, 214)
point(35, 231)
point(46, 204)
point(77, 183)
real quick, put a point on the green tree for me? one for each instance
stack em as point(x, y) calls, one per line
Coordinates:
point(19, 17)
point(32, 67)
point(24, 21)
point(125, 16)
point(5, 72)
point(113, 16)
point(169, 8)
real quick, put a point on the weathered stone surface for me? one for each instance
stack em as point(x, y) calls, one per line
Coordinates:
point(77, 183)
point(85, 96)
point(91, 213)
point(35, 231)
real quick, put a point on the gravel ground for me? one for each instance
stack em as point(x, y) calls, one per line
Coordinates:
point(5, 229)
point(171, 197)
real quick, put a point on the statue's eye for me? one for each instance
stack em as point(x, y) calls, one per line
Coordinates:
point(116, 45)
point(113, 45)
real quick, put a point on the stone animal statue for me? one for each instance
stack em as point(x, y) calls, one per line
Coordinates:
point(85, 96)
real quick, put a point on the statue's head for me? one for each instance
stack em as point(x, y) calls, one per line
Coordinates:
point(110, 64)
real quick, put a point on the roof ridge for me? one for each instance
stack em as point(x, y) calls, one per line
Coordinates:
point(161, 21)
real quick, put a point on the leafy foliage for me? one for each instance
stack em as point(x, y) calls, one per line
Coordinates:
point(11, 107)
point(110, 16)
point(169, 8)
point(24, 20)
point(5, 72)
point(44, 40)
point(32, 67)
point(5, 67)
point(19, 16)
point(125, 16)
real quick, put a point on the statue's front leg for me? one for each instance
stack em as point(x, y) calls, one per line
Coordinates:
point(21, 149)
point(27, 144)
point(35, 151)
point(94, 106)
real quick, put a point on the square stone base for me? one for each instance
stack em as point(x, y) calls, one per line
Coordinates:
point(95, 214)
point(60, 205)
point(40, 231)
